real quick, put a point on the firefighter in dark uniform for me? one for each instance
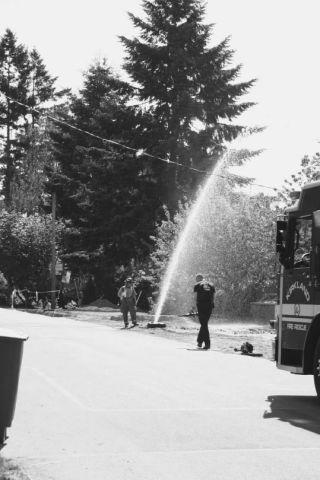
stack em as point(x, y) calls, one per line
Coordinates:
point(204, 297)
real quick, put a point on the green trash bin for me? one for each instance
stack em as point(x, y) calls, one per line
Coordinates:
point(11, 348)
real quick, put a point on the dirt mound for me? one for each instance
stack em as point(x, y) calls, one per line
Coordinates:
point(100, 304)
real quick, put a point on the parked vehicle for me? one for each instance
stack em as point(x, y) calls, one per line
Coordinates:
point(297, 346)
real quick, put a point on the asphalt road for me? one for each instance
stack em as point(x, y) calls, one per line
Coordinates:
point(105, 404)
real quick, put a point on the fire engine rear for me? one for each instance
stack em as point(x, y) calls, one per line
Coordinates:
point(298, 311)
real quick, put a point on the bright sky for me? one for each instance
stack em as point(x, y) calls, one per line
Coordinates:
point(277, 42)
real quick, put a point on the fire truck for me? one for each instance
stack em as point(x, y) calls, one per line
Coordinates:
point(297, 346)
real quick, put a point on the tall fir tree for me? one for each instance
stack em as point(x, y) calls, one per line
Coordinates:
point(34, 146)
point(190, 86)
point(41, 88)
point(106, 191)
point(24, 78)
point(14, 80)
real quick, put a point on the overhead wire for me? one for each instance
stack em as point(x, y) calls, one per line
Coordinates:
point(138, 151)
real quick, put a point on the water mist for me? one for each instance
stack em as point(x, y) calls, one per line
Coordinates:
point(207, 190)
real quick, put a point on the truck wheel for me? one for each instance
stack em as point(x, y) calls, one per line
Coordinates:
point(3, 436)
point(316, 368)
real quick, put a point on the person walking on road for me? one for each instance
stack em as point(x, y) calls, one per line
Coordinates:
point(128, 302)
point(204, 298)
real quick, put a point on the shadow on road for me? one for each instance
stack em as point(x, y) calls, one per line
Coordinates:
point(300, 411)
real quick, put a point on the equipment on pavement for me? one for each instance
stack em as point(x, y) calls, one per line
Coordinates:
point(156, 325)
point(247, 349)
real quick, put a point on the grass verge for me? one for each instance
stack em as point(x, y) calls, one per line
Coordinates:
point(9, 470)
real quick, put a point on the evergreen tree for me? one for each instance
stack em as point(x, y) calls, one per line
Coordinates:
point(105, 190)
point(41, 88)
point(24, 78)
point(14, 79)
point(191, 88)
point(34, 147)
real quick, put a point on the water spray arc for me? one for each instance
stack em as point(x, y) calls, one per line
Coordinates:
point(183, 239)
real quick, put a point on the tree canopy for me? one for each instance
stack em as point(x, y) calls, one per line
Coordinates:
point(309, 172)
point(190, 88)
point(25, 248)
point(106, 191)
point(120, 157)
point(231, 241)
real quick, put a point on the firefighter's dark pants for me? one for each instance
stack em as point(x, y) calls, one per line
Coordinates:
point(204, 311)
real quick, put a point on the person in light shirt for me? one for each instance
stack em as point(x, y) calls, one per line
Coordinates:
point(128, 302)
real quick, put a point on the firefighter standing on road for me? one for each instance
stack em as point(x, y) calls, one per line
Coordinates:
point(128, 302)
point(204, 295)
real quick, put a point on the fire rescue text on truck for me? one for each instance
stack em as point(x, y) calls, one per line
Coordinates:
point(298, 311)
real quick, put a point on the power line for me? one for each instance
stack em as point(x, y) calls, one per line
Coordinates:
point(138, 152)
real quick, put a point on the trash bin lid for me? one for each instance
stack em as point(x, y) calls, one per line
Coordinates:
point(11, 335)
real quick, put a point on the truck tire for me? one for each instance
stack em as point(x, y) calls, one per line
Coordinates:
point(316, 368)
point(3, 436)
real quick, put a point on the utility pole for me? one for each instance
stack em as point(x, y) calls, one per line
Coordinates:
point(53, 251)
